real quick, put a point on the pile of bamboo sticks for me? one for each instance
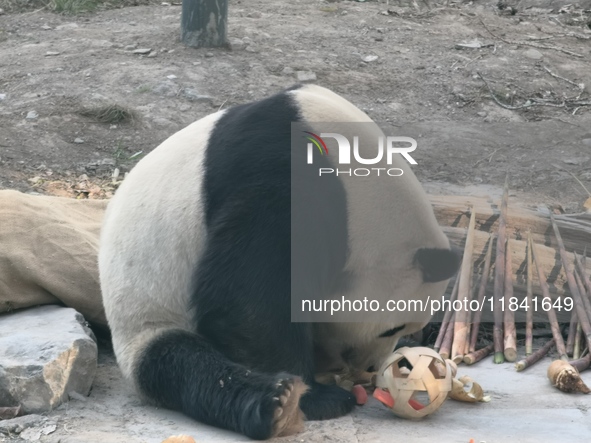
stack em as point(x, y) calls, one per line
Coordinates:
point(458, 334)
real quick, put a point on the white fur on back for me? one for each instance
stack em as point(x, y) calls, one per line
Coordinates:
point(152, 237)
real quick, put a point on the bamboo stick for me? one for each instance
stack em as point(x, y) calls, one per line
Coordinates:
point(460, 325)
point(447, 316)
point(529, 314)
point(510, 338)
point(481, 294)
point(582, 363)
point(500, 277)
point(577, 344)
point(578, 331)
point(535, 357)
point(476, 356)
point(445, 349)
point(582, 316)
point(570, 338)
point(554, 326)
point(582, 291)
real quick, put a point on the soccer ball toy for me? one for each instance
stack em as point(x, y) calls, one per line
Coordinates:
point(419, 391)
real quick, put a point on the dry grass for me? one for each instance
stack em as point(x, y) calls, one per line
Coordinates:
point(110, 114)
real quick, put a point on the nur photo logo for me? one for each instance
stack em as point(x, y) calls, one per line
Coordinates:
point(387, 147)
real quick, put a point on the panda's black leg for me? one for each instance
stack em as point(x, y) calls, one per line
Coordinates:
point(179, 370)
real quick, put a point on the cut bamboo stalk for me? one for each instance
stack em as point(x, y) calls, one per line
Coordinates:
point(481, 294)
point(582, 363)
point(529, 314)
point(476, 356)
point(468, 320)
point(447, 316)
point(510, 338)
point(500, 277)
point(535, 357)
point(445, 349)
point(582, 316)
point(577, 345)
point(460, 335)
point(582, 291)
point(554, 326)
point(570, 338)
point(578, 331)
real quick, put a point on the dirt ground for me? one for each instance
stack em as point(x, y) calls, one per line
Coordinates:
point(58, 69)
point(399, 62)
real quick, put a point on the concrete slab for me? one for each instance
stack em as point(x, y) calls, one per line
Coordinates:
point(524, 409)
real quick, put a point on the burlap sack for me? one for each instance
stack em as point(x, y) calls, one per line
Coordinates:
point(48, 253)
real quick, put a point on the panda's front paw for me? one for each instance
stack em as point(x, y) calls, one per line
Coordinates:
point(323, 402)
point(287, 416)
point(274, 410)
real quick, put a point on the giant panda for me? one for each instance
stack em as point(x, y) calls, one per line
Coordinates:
point(195, 271)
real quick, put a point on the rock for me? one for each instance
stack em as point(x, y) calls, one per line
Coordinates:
point(370, 58)
point(45, 353)
point(166, 88)
point(194, 96)
point(252, 48)
point(32, 115)
point(78, 140)
point(287, 71)
point(52, 53)
point(141, 51)
point(130, 47)
point(2, 96)
point(209, 54)
point(152, 54)
point(305, 76)
point(586, 141)
point(19, 424)
point(171, 77)
point(255, 14)
point(1, 11)
point(236, 44)
point(533, 54)
point(46, 27)
point(67, 26)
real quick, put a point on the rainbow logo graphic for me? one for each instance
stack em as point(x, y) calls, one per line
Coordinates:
point(317, 140)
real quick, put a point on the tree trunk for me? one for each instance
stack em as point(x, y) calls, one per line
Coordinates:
point(203, 23)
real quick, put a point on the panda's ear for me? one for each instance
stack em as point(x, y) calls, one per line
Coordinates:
point(437, 264)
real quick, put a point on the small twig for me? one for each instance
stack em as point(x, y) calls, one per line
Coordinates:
point(501, 104)
point(576, 85)
point(489, 158)
point(533, 45)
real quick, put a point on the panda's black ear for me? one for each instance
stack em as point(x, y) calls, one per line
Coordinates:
point(437, 264)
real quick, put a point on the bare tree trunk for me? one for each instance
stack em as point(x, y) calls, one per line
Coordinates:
point(203, 23)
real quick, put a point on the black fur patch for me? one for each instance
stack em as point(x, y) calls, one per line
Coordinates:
point(184, 372)
point(242, 295)
point(437, 264)
point(391, 332)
